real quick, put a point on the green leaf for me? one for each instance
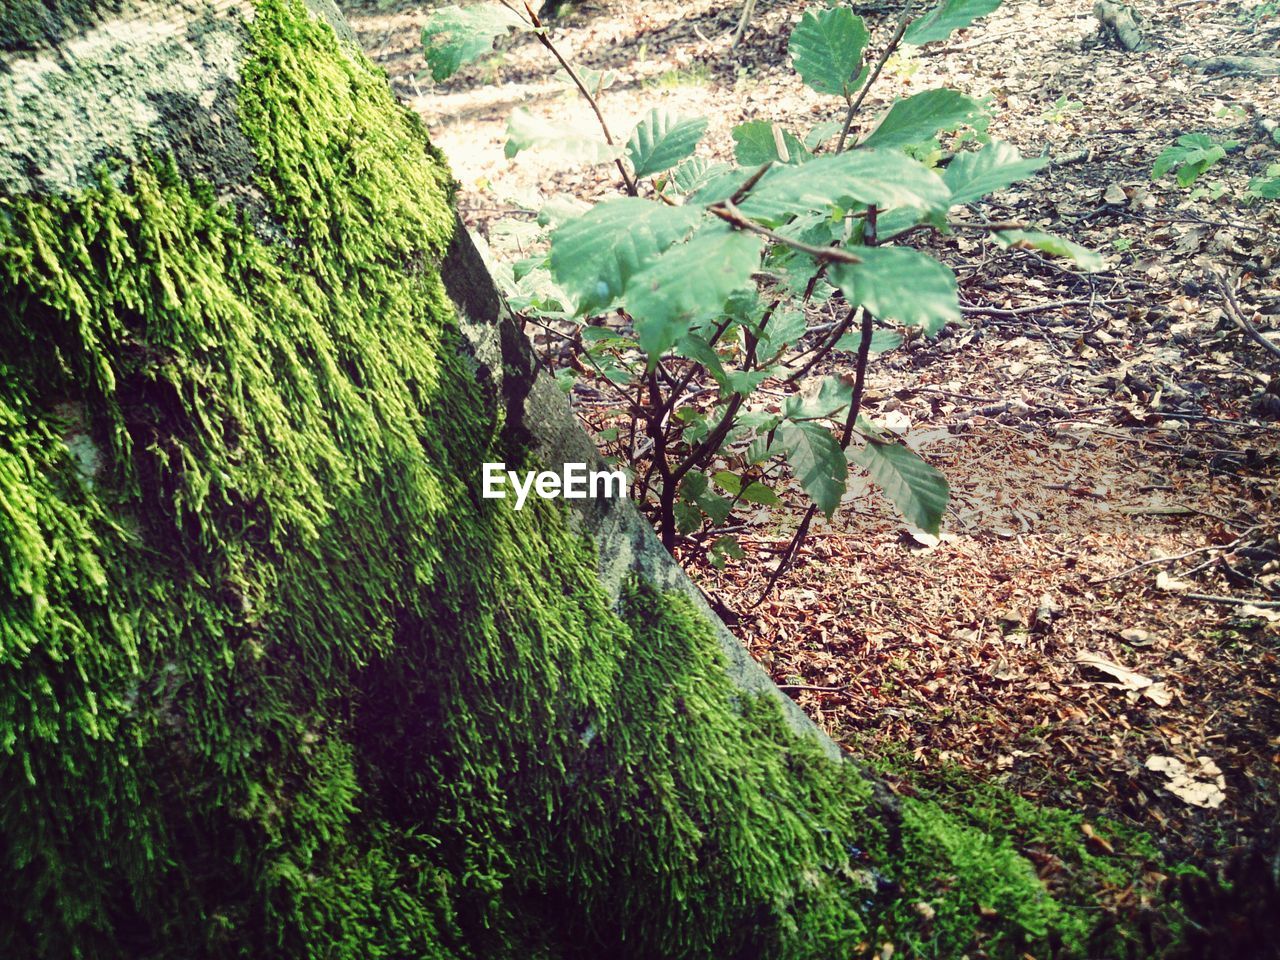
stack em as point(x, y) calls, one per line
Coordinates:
point(817, 461)
point(746, 381)
point(661, 140)
point(826, 49)
point(882, 341)
point(717, 508)
point(897, 283)
point(689, 282)
point(971, 176)
point(723, 548)
point(688, 517)
point(760, 142)
point(821, 133)
point(832, 396)
point(944, 19)
point(695, 347)
point(918, 490)
point(1267, 188)
point(697, 172)
point(595, 255)
point(785, 327)
point(693, 486)
point(1088, 260)
point(885, 178)
point(918, 118)
point(1193, 154)
point(455, 36)
point(527, 132)
point(755, 491)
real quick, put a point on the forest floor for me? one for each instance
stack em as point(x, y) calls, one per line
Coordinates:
point(1082, 632)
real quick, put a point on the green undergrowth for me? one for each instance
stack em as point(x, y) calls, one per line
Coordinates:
point(1120, 891)
point(275, 681)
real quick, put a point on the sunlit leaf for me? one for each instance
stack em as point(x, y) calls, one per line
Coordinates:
point(455, 36)
point(897, 283)
point(946, 18)
point(971, 176)
point(595, 255)
point(826, 49)
point(817, 461)
point(661, 140)
point(920, 117)
point(918, 490)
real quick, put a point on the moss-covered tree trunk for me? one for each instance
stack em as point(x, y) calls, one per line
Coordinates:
point(275, 680)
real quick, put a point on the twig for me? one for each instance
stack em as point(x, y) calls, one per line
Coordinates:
point(855, 405)
point(1237, 315)
point(1013, 312)
point(1241, 601)
point(1180, 556)
point(541, 33)
point(728, 212)
point(896, 39)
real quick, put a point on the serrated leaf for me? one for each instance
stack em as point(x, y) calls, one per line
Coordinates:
point(760, 142)
point(528, 132)
point(785, 327)
point(817, 461)
point(971, 176)
point(918, 490)
point(689, 282)
point(946, 18)
point(661, 140)
point(595, 255)
point(755, 492)
point(826, 49)
point(918, 118)
point(1088, 260)
point(897, 283)
point(697, 172)
point(821, 133)
point(883, 177)
point(832, 396)
point(695, 347)
point(882, 341)
point(455, 36)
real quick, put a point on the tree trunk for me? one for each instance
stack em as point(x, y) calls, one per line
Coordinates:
point(275, 680)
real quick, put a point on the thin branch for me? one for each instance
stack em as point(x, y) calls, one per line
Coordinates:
point(894, 41)
point(1238, 317)
point(541, 33)
point(728, 212)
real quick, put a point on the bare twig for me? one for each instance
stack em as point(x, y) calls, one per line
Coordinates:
point(1155, 561)
point(1238, 317)
point(728, 212)
point(541, 33)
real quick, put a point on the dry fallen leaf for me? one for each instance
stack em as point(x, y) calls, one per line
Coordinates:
point(1123, 677)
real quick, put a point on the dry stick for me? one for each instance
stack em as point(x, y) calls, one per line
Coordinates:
point(728, 212)
point(541, 34)
point(855, 404)
point(1222, 547)
point(1237, 315)
point(894, 41)
point(1242, 601)
point(821, 353)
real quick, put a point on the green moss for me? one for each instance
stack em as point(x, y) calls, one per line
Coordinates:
point(1110, 882)
point(275, 682)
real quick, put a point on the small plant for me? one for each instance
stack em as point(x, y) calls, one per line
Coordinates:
point(702, 301)
point(1062, 108)
point(1192, 155)
point(1266, 187)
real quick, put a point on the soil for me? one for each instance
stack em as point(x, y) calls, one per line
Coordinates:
point(1102, 611)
